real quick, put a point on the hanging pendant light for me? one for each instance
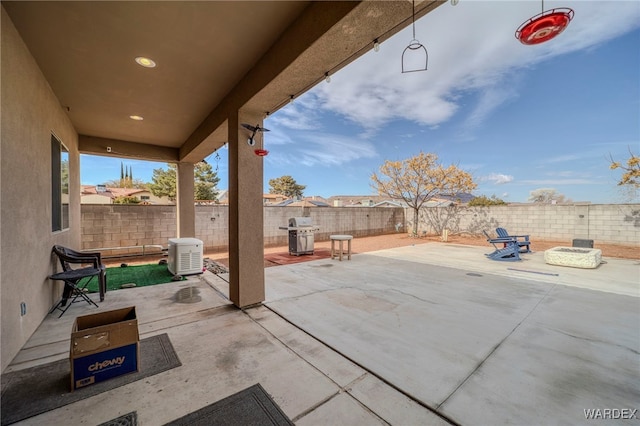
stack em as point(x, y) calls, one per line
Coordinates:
point(544, 26)
point(417, 52)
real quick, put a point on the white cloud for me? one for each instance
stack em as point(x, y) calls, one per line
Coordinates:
point(559, 182)
point(324, 149)
point(472, 48)
point(298, 116)
point(499, 179)
point(565, 158)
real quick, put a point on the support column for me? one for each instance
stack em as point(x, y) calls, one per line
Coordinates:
point(186, 210)
point(246, 215)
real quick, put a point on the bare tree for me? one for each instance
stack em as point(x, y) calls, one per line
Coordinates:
point(418, 179)
point(546, 196)
point(631, 175)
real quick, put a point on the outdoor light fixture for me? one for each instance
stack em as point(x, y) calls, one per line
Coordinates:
point(327, 78)
point(260, 152)
point(416, 50)
point(544, 26)
point(145, 62)
point(291, 99)
point(376, 45)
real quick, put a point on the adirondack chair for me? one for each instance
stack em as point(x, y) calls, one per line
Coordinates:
point(508, 252)
point(521, 240)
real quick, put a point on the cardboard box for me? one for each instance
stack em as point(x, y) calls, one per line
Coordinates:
point(103, 346)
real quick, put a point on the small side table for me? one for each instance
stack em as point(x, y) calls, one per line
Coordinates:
point(340, 239)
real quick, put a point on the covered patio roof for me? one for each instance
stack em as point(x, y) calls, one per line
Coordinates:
point(211, 58)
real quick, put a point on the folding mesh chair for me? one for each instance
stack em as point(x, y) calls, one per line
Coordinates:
point(76, 280)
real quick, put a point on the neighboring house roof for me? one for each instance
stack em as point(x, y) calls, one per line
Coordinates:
point(355, 198)
point(301, 203)
point(389, 203)
point(273, 196)
point(461, 197)
point(438, 202)
point(317, 198)
point(273, 199)
point(382, 201)
point(223, 196)
point(110, 192)
point(100, 194)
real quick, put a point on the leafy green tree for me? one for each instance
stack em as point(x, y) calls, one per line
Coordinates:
point(134, 183)
point(126, 199)
point(206, 181)
point(64, 176)
point(418, 179)
point(286, 186)
point(484, 201)
point(164, 182)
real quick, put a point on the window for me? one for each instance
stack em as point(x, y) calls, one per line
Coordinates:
point(144, 198)
point(59, 185)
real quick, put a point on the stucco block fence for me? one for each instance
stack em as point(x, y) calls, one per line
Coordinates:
point(603, 223)
point(113, 226)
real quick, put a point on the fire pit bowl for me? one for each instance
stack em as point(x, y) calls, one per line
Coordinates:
point(574, 257)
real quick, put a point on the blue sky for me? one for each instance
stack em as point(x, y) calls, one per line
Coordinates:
point(517, 117)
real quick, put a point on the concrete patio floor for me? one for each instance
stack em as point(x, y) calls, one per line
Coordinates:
point(417, 335)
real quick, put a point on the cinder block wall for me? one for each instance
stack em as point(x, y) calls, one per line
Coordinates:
point(116, 225)
point(603, 223)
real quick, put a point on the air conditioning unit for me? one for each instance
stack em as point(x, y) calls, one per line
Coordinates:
point(185, 256)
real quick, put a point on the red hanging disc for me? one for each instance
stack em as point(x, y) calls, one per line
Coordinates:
point(261, 152)
point(544, 26)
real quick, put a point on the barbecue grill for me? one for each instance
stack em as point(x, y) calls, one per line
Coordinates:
point(301, 237)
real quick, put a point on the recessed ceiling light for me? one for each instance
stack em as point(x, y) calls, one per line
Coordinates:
point(145, 62)
point(136, 117)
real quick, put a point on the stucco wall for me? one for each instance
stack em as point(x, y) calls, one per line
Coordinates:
point(30, 113)
point(603, 223)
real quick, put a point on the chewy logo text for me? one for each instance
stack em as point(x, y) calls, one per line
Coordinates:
point(107, 363)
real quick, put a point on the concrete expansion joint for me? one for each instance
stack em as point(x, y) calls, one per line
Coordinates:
point(495, 348)
point(184, 319)
point(314, 407)
point(350, 385)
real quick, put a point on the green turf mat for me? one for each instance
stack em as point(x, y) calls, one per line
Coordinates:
point(140, 275)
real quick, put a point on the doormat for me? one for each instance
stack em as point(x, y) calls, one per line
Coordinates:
point(36, 390)
point(252, 406)
point(129, 419)
point(140, 275)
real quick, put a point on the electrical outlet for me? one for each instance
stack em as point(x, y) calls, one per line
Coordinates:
point(23, 309)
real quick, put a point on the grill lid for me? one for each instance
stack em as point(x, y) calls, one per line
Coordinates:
point(297, 222)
